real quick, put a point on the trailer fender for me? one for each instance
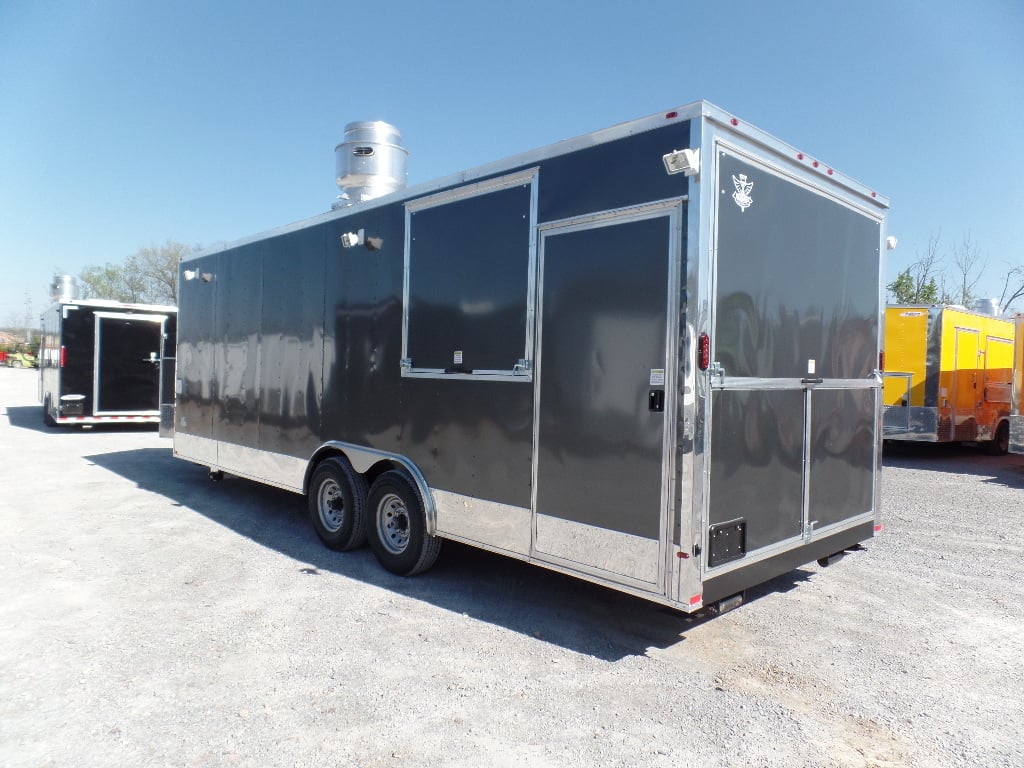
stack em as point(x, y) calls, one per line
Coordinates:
point(372, 462)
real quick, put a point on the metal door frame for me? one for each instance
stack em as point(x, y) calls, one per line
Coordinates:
point(673, 210)
point(99, 316)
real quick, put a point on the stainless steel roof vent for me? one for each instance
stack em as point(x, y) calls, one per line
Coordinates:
point(64, 288)
point(987, 307)
point(370, 162)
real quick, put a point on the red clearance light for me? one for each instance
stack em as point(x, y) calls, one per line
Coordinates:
point(878, 528)
point(696, 599)
point(63, 355)
point(704, 352)
point(815, 163)
point(874, 194)
point(799, 155)
point(734, 121)
point(830, 171)
point(671, 115)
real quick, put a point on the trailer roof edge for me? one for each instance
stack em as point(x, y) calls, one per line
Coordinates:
point(698, 109)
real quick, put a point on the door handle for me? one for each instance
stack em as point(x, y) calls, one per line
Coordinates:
point(656, 400)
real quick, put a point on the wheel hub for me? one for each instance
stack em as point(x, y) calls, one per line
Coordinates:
point(331, 506)
point(393, 524)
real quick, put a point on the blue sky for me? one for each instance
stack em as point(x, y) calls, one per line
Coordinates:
point(125, 124)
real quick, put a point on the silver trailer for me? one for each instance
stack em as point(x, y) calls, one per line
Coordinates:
point(647, 357)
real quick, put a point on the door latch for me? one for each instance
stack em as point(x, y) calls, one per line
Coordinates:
point(656, 400)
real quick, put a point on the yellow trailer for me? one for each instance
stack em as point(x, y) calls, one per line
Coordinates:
point(948, 375)
point(1017, 396)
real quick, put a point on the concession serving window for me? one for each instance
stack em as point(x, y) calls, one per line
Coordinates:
point(470, 265)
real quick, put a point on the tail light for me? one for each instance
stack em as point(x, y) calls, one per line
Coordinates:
point(704, 352)
point(63, 355)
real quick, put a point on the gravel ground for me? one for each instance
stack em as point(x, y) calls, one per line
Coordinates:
point(149, 617)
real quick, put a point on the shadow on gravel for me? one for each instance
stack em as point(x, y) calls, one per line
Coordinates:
point(554, 608)
point(963, 459)
point(31, 417)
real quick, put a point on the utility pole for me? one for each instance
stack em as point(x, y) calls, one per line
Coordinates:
point(28, 318)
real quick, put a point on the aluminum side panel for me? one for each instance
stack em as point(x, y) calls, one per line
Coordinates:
point(757, 462)
point(842, 455)
point(237, 323)
point(78, 339)
point(196, 386)
point(291, 343)
point(618, 174)
point(797, 281)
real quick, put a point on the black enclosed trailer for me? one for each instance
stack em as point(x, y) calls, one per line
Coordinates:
point(103, 361)
point(647, 357)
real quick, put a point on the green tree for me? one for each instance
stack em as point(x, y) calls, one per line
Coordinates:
point(919, 283)
point(149, 276)
point(905, 289)
point(110, 281)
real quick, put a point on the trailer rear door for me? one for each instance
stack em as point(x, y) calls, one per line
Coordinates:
point(127, 370)
point(604, 382)
point(794, 391)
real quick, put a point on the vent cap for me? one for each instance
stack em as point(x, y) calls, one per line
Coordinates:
point(371, 162)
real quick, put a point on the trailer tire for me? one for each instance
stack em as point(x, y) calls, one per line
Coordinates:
point(48, 419)
point(337, 504)
point(398, 525)
point(1000, 444)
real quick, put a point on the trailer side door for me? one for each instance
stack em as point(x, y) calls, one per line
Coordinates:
point(608, 314)
point(966, 395)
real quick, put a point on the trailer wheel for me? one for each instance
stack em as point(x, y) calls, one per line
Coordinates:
point(337, 504)
point(398, 531)
point(48, 419)
point(1000, 444)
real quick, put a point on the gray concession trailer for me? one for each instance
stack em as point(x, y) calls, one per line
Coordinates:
point(647, 357)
